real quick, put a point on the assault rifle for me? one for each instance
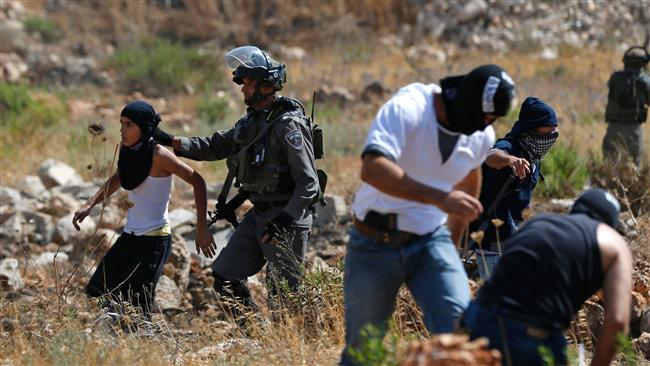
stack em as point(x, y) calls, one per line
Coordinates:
point(226, 210)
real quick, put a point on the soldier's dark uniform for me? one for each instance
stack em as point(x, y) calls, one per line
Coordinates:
point(271, 153)
point(627, 105)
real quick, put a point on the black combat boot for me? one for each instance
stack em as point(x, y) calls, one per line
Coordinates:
point(236, 298)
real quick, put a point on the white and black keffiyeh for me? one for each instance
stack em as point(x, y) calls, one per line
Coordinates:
point(537, 144)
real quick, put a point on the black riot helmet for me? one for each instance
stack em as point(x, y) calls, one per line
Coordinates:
point(250, 61)
point(468, 98)
point(636, 57)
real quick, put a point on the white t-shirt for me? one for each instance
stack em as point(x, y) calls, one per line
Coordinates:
point(150, 209)
point(406, 129)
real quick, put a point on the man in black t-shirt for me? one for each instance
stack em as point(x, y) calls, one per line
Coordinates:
point(549, 268)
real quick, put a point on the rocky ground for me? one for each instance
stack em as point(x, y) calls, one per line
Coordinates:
point(39, 244)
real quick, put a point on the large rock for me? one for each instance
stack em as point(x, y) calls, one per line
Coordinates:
point(56, 173)
point(61, 204)
point(47, 258)
point(80, 191)
point(66, 233)
point(32, 186)
point(167, 296)
point(12, 67)
point(181, 216)
point(336, 95)
point(34, 227)
point(10, 197)
point(11, 228)
point(179, 263)
point(10, 275)
point(334, 211)
point(38, 226)
point(472, 10)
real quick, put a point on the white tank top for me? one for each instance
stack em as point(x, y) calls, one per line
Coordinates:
point(149, 211)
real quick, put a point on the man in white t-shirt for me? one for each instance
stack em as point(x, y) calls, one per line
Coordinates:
point(421, 163)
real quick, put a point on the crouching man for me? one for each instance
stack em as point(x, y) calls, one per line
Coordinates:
point(549, 268)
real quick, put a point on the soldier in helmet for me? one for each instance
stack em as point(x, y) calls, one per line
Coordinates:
point(627, 105)
point(270, 156)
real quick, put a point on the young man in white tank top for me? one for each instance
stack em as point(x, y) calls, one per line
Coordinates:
point(133, 265)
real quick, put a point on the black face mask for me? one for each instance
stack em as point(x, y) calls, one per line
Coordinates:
point(135, 163)
point(469, 98)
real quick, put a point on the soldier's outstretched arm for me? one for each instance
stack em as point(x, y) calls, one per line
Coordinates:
point(617, 287)
point(219, 146)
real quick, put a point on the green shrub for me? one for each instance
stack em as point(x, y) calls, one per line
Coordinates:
point(47, 29)
point(214, 110)
point(22, 114)
point(13, 98)
point(565, 172)
point(159, 66)
point(373, 350)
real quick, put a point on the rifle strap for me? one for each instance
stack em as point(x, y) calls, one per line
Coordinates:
point(486, 216)
point(496, 201)
point(225, 189)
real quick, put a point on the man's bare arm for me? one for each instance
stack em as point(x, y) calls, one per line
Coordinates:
point(471, 185)
point(383, 174)
point(617, 287)
point(498, 159)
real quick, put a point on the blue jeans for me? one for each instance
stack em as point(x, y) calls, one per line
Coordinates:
point(430, 267)
point(486, 268)
point(512, 337)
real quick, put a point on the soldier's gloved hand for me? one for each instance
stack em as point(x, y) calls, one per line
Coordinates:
point(162, 137)
point(277, 226)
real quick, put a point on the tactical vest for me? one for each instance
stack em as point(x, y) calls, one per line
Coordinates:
point(627, 98)
point(258, 170)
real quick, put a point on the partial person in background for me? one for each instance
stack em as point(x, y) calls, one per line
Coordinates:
point(511, 172)
point(627, 106)
point(133, 265)
point(421, 162)
point(549, 268)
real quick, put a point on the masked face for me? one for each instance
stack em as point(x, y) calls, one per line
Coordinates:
point(537, 144)
point(475, 100)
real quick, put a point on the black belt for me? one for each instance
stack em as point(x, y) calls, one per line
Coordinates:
point(267, 205)
point(393, 239)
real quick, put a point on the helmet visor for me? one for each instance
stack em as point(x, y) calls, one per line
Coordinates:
point(247, 56)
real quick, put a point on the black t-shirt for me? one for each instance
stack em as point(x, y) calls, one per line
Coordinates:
point(548, 269)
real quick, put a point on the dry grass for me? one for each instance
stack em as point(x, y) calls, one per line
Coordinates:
point(43, 327)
